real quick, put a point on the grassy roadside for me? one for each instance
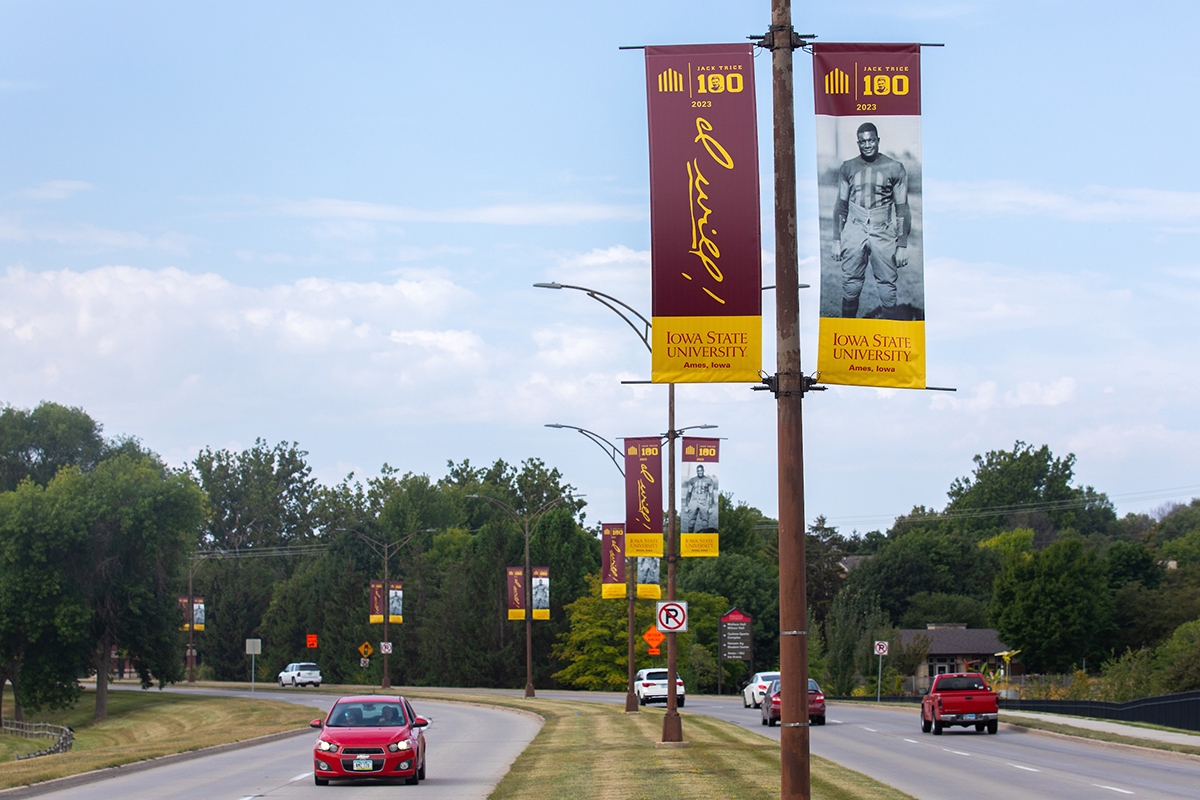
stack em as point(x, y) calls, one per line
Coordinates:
point(1099, 736)
point(143, 725)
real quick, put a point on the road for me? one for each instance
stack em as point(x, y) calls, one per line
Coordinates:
point(470, 750)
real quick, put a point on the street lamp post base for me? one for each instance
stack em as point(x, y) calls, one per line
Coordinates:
point(631, 704)
point(529, 690)
point(672, 727)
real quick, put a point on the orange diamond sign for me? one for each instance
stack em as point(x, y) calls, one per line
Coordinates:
point(653, 636)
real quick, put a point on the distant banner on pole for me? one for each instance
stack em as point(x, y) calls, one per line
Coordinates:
point(193, 618)
point(394, 602)
point(541, 592)
point(649, 575)
point(643, 497)
point(705, 238)
point(516, 592)
point(868, 105)
point(701, 494)
point(612, 561)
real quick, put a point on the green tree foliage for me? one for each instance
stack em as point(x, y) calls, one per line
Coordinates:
point(37, 444)
point(824, 550)
point(852, 621)
point(1054, 605)
point(1130, 562)
point(749, 588)
point(911, 656)
point(1146, 617)
point(927, 607)
point(1129, 676)
point(1179, 659)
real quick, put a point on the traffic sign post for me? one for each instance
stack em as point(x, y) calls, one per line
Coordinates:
point(253, 648)
point(881, 649)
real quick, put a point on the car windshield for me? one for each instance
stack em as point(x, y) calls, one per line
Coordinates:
point(767, 677)
point(812, 686)
point(306, 667)
point(968, 684)
point(366, 715)
point(656, 675)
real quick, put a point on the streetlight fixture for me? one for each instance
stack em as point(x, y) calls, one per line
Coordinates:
point(672, 725)
point(385, 551)
point(526, 519)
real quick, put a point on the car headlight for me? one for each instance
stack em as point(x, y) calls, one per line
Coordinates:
point(396, 747)
point(328, 747)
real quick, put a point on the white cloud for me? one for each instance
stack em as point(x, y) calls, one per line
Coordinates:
point(509, 214)
point(55, 190)
point(88, 236)
point(1090, 204)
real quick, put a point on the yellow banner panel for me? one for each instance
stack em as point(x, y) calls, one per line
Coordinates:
point(872, 352)
point(375, 618)
point(699, 544)
point(649, 591)
point(644, 544)
point(541, 613)
point(706, 349)
point(516, 613)
point(612, 591)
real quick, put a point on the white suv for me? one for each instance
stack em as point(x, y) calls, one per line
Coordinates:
point(650, 686)
point(300, 673)
point(752, 695)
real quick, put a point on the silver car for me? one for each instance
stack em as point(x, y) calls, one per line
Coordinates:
point(752, 695)
point(301, 673)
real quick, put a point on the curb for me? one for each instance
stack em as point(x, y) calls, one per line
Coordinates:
point(69, 781)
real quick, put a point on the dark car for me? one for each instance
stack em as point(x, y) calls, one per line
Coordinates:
point(370, 737)
point(816, 704)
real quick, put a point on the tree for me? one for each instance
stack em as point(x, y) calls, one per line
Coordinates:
point(927, 607)
point(1054, 606)
point(851, 620)
point(1179, 659)
point(1129, 562)
point(37, 444)
point(824, 550)
point(749, 587)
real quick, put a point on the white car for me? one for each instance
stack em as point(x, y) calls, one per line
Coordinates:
point(650, 686)
point(752, 695)
point(301, 673)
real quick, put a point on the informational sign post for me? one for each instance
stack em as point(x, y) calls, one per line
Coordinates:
point(735, 640)
point(868, 113)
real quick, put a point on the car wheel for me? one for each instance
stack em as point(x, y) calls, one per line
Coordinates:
point(281, 683)
point(979, 726)
point(317, 685)
point(937, 727)
point(745, 702)
point(817, 720)
point(414, 780)
point(421, 771)
point(993, 726)
point(320, 781)
point(758, 705)
point(764, 720)
point(771, 722)
point(642, 700)
point(680, 701)
point(926, 725)
point(293, 683)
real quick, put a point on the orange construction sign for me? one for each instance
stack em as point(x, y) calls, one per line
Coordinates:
point(653, 636)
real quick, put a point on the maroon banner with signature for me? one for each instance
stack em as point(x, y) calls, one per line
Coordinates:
point(612, 561)
point(643, 497)
point(516, 592)
point(705, 238)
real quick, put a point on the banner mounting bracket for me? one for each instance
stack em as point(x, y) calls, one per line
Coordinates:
point(806, 383)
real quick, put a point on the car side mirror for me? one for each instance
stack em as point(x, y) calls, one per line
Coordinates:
point(421, 722)
point(317, 723)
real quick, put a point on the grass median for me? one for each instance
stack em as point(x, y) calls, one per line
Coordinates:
point(143, 725)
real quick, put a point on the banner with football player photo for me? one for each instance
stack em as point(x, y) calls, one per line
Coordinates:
point(193, 618)
point(394, 602)
point(868, 105)
point(699, 498)
point(648, 579)
point(516, 592)
point(541, 592)
point(612, 562)
point(643, 497)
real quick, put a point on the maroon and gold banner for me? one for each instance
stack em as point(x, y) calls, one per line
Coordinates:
point(541, 592)
point(705, 243)
point(394, 602)
point(193, 617)
point(700, 497)
point(516, 593)
point(612, 561)
point(868, 103)
point(643, 497)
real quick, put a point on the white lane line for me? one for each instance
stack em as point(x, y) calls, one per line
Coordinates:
point(956, 752)
point(305, 776)
point(835, 721)
point(914, 741)
point(1027, 769)
point(872, 730)
point(1111, 788)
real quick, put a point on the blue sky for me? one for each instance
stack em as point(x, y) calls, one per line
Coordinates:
point(321, 223)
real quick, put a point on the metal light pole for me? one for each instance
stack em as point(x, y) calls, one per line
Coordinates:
point(526, 519)
point(631, 702)
point(385, 551)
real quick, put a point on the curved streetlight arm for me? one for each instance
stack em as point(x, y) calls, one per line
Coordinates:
point(677, 431)
point(609, 300)
point(610, 449)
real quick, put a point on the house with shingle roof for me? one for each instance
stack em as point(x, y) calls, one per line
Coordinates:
point(953, 647)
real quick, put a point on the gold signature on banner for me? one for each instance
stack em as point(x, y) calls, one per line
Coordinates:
point(702, 245)
point(643, 502)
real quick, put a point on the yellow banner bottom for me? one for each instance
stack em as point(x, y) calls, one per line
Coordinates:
point(516, 613)
point(872, 352)
point(649, 591)
point(706, 350)
point(699, 544)
point(644, 545)
point(612, 591)
point(541, 613)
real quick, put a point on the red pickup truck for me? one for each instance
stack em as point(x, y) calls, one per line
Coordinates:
point(961, 698)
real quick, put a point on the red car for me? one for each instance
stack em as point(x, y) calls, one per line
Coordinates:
point(370, 737)
point(816, 704)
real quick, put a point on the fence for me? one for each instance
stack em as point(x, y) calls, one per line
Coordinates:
point(64, 737)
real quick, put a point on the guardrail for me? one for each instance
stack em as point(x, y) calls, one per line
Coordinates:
point(64, 737)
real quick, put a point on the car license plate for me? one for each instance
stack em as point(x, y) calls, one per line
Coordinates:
point(970, 716)
point(363, 763)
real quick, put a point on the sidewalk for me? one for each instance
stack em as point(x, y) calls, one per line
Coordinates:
point(1132, 731)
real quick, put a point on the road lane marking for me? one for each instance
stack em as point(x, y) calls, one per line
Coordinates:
point(1027, 769)
point(1111, 788)
point(872, 730)
point(914, 741)
point(305, 776)
point(956, 752)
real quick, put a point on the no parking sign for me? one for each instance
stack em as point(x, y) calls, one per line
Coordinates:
point(881, 648)
point(672, 616)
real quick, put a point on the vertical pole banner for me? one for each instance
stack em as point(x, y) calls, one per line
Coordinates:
point(184, 606)
point(700, 497)
point(868, 106)
point(612, 561)
point(375, 612)
point(197, 613)
point(396, 602)
point(705, 248)
point(643, 497)
point(516, 593)
point(541, 592)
